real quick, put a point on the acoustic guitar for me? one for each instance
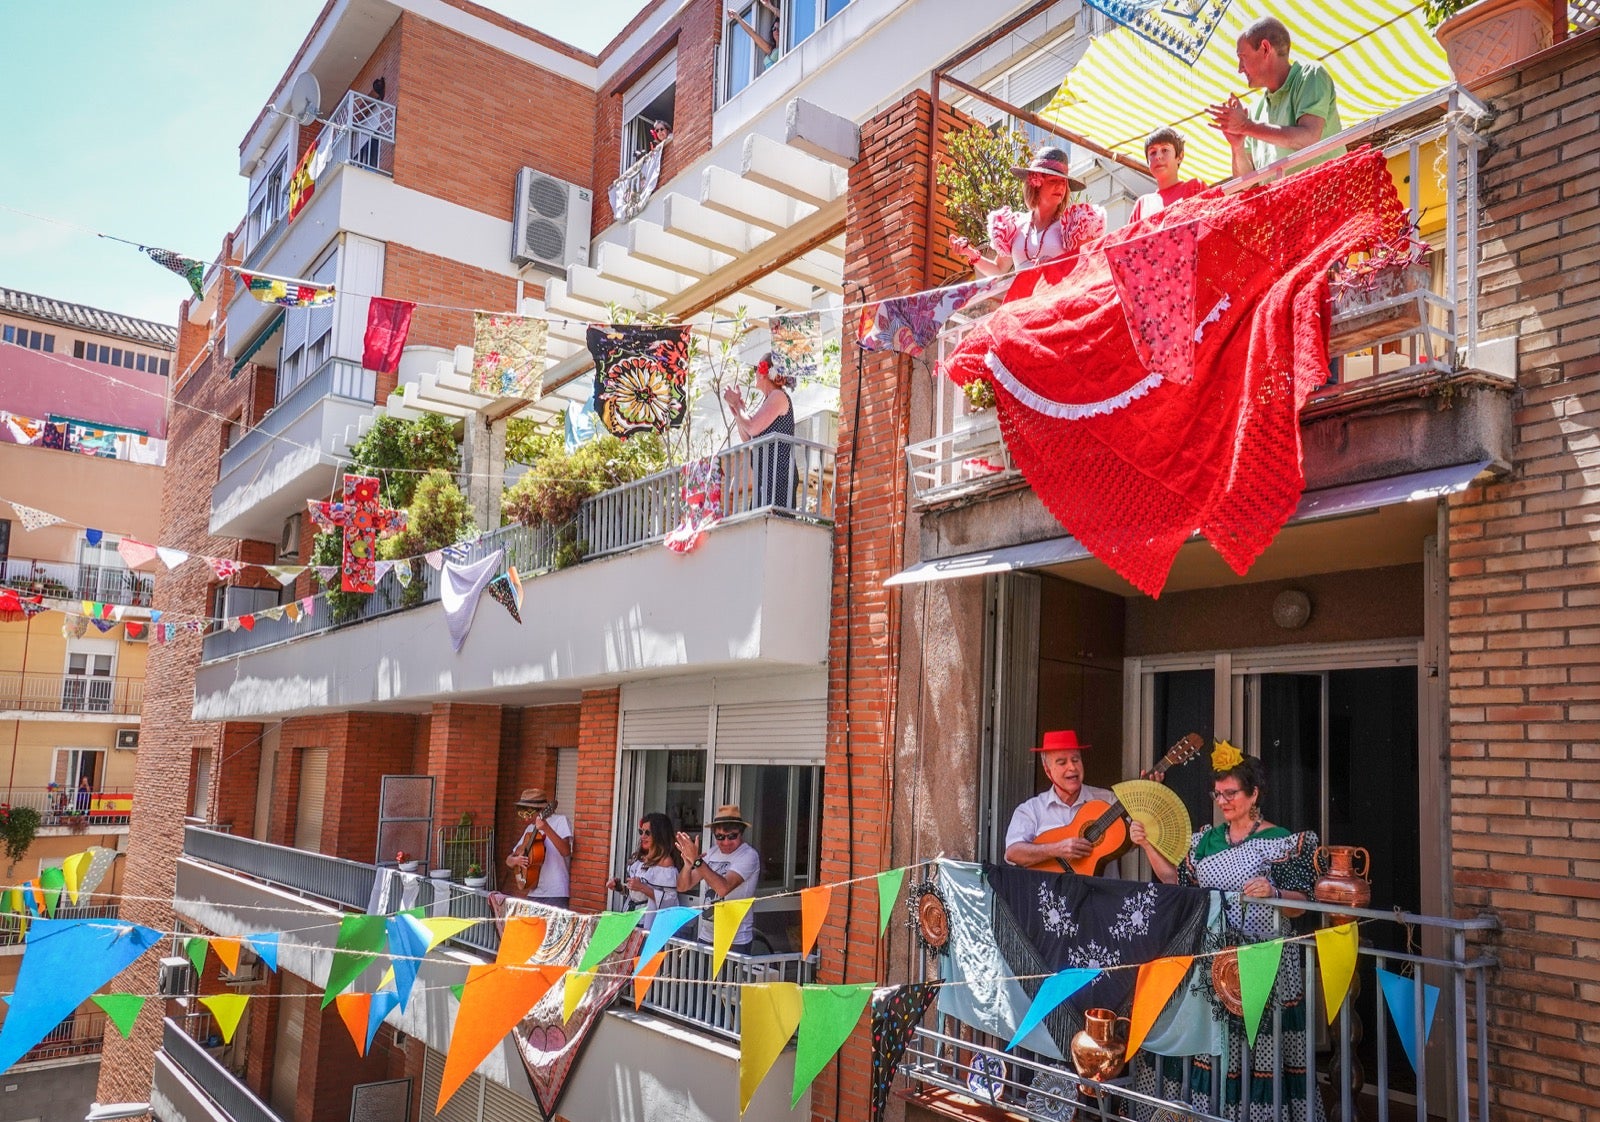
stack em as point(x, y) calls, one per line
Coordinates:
point(1102, 824)
point(535, 857)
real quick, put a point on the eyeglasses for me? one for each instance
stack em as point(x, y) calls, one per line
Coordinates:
point(725, 835)
point(525, 812)
point(644, 829)
point(1226, 796)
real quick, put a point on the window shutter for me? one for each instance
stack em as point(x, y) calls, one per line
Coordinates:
point(308, 807)
point(772, 732)
point(665, 728)
point(286, 1053)
point(463, 1105)
point(567, 779)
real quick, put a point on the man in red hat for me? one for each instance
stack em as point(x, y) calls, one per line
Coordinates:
point(1062, 757)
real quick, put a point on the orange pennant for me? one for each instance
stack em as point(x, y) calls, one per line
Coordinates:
point(520, 941)
point(493, 1000)
point(228, 951)
point(353, 1009)
point(647, 974)
point(814, 903)
point(1157, 981)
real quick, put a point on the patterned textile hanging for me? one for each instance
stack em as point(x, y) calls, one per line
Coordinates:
point(1182, 28)
point(508, 355)
point(641, 377)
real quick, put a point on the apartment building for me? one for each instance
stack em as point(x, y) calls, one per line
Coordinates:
point(818, 660)
point(82, 436)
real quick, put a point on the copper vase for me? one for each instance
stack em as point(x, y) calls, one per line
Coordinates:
point(1342, 882)
point(1096, 1052)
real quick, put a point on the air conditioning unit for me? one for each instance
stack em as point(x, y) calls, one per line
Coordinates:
point(550, 227)
point(128, 739)
point(176, 977)
point(289, 539)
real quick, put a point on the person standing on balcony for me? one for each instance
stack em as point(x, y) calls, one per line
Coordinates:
point(1298, 106)
point(1032, 837)
point(1052, 227)
point(772, 463)
point(728, 872)
point(85, 796)
point(542, 853)
point(652, 874)
point(1163, 151)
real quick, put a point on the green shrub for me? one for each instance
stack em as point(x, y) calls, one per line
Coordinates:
point(439, 515)
point(976, 176)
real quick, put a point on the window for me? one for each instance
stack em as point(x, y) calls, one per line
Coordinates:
point(649, 103)
point(760, 32)
point(116, 356)
point(5, 540)
point(268, 200)
point(166, 366)
point(307, 334)
point(77, 348)
point(50, 343)
point(140, 362)
point(86, 686)
point(23, 337)
point(780, 802)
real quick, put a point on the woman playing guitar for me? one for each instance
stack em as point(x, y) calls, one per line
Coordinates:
point(539, 859)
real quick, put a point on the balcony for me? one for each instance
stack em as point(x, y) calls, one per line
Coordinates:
point(268, 472)
point(64, 580)
point(629, 606)
point(960, 1072)
point(64, 806)
point(80, 1035)
point(1397, 355)
point(14, 933)
point(79, 694)
point(190, 1085)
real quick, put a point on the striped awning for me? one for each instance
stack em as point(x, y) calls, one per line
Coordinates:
point(1380, 53)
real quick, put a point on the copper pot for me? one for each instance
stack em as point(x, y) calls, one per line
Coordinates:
point(1096, 1052)
point(1343, 883)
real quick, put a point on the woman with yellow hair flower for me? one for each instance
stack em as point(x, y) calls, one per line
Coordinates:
point(1247, 857)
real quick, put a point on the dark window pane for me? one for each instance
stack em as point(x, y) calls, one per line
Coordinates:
point(127, 359)
point(835, 7)
point(9, 334)
point(164, 367)
point(77, 348)
point(139, 362)
point(33, 340)
point(116, 356)
point(50, 343)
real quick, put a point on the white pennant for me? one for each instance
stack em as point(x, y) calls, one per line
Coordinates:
point(33, 519)
point(172, 558)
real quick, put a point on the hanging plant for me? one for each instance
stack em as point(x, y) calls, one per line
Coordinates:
point(18, 827)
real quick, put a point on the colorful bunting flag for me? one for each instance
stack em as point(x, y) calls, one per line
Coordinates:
point(814, 903)
point(828, 1016)
point(794, 345)
point(663, 926)
point(228, 951)
point(195, 948)
point(610, 930)
point(73, 869)
point(576, 983)
point(1400, 995)
point(190, 269)
point(1156, 982)
point(34, 519)
point(383, 1001)
point(122, 1009)
point(896, 1012)
point(388, 324)
point(226, 1009)
point(644, 975)
point(93, 536)
point(889, 883)
point(360, 939)
point(1052, 992)
point(171, 558)
point(265, 944)
point(1258, 970)
point(287, 292)
point(408, 943)
point(52, 882)
point(508, 355)
point(1336, 954)
point(440, 928)
point(352, 1009)
point(493, 999)
point(726, 916)
point(769, 1013)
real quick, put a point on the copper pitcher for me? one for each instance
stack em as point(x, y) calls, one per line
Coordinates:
point(1343, 883)
point(1096, 1052)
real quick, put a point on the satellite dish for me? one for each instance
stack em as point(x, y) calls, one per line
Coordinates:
point(305, 99)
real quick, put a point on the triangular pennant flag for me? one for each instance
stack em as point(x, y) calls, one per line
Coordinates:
point(93, 537)
point(284, 574)
point(171, 558)
point(63, 963)
point(1156, 982)
point(265, 944)
point(135, 553)
point(1400, 995)
point(664, 926)
point(403, 574)
point(610, 929)
point(382, 1002)
point(53, 883)
point(814, 903)
point(408, 943)
point(456, 990)
point(226, 1009)
point(888, 892)
point(275, 613)
point(493, 999)
point(228, 951)
point(189, 268)
point(441, 928)
point(195, 948)
point(769, 1012)
point(520, 940)
point(726, 917)
point(1052, 992)
point(828, 1015)
point(1258, 970)
point(247, 621)
point(308, 605)
point(352, 1009)
point(1336, 955)
point(132, 630)
point(360, 938)
point(434, 558)
point(121, 1008)
point(577, 983)
point(501, 592)
point(381, 569)
point(644, 976)
point(33, 519)
point(72, 869)
point(293, 612)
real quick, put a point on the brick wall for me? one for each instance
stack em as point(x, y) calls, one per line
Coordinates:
point(1524, 606)
point(410, 274)
point(528, 759)
point(591, 817)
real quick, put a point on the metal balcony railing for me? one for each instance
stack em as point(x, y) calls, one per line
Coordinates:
point(686, 990)
point(81, 1034)
point(948, 1057)
point(631, 516)
point(1412, 332)
point(14, 926)
point(333, 879)
point(233, 1099)
point(64, 580)
point(70, 693)
point(67, 806)
point(337, 377)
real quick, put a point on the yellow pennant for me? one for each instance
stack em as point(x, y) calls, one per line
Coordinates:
point(72, 870)
point(1336, 947)
point(577, 984)
point(769, 1013)
point(441, 928)
point(725, 920)
point(226, 1009)
point(293, 612)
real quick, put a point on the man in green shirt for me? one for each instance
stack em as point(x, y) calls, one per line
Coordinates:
point(1297, 107)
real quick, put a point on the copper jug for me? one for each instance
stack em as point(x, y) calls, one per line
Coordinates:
point(1343, 883)
point(1096, 1052)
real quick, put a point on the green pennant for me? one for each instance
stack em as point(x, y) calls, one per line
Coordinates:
point(360, 939)
point(1258, 970)
point(610, 929)
point(456, 989)
point(53, 881)
point(827, 1017)
point(888, 892)
point(195, 948)
point(122, 1008)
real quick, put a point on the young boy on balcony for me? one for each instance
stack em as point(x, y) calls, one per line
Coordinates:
point(1297, 108)
point(1163, 151)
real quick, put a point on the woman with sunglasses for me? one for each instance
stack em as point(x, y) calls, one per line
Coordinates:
point(1248, 858)
point(1052, 227)
point(652, 875)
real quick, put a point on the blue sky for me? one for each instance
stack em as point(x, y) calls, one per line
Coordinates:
point(125, 116)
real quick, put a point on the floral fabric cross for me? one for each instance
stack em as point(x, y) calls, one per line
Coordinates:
point(363, 519)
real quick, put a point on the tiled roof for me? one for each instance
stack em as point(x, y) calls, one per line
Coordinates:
point(85, 318)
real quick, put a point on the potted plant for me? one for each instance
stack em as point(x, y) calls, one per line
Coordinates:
point(407, 863)
point(475, 877)
point(18, 825)
point(1480, 37)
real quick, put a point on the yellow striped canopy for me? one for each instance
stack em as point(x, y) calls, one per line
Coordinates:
point(1379, 52)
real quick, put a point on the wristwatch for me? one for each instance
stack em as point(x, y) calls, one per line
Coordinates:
point(698, 861)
